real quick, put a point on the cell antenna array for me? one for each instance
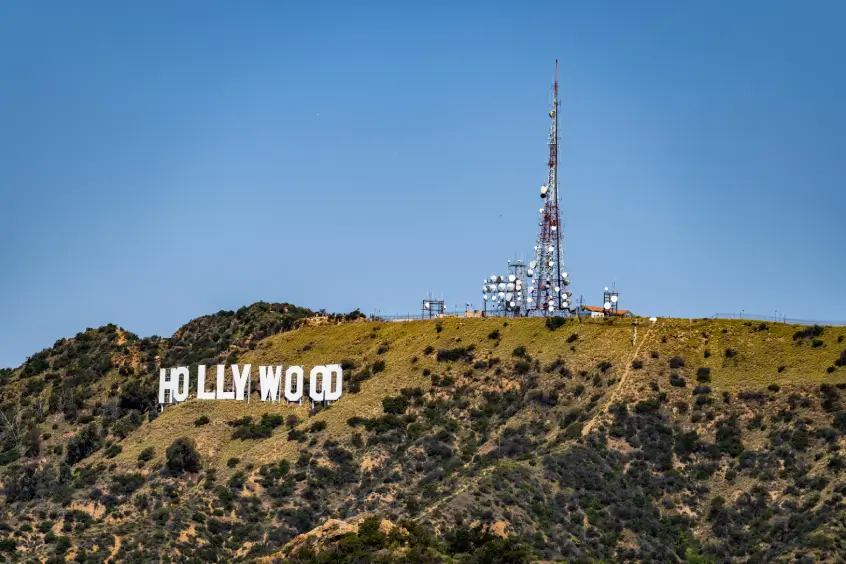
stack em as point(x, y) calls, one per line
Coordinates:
point(549, 295)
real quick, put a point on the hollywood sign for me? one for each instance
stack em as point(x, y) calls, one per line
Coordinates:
point(324, 383)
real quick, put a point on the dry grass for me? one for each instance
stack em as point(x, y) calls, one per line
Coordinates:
point(760, 353)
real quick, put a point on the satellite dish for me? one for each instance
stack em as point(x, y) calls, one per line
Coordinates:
point(485, 297)
point(512, 304)
point(533, 263)
point(530, 272)
point(501, 286)
point(614, 299)
point(426, 305)
point(551, 308)
point(529, 300)
point(511, 278)
point(557, 289)
point(508, 296)
point(606, 288)
point(553, 228)
point(540, 210)
point(551, 263)
point(493, 298)
point(510, 286)
point(564, 274)
point(501, 294)
point(607, 305)
point(551, 249)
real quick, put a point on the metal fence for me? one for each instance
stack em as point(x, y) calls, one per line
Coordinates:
point(778, 318)
point(775, 318)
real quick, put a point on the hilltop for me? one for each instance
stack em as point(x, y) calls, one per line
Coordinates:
point(467, 440)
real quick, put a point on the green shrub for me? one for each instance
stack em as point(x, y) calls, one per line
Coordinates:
point(201, 420)
point(182, 456)
point(703, 374)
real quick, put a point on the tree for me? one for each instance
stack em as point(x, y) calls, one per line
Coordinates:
point(182, 456)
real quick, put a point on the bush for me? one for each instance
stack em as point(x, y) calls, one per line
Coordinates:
point(572, 338)
point(378, 366)
point(233, 462)
point(637, 364)
point(520, 352)
point(730, 353)
point(182, 456)
point(455, 355)
point(147, 454)
point(706, 354)
point(703, 374)
point(808, 333)
point(677, 381)
point(395, 405)
point(676, 362)
point(439, 326)
point(494, 334)
point(554, 322)
point(201, 420)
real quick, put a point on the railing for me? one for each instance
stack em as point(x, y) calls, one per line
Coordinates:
point(778, 318)
point(775, 318)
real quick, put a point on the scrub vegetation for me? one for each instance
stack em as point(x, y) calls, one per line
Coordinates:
point(456, 440)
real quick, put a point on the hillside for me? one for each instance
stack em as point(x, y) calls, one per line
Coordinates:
point(467, 440)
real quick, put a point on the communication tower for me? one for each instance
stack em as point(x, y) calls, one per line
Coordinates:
point(432, 308)
point(610, 298)
point(548, 294)
point(507, 295)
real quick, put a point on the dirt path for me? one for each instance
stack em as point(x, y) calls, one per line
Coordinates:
point(619, 389)
point(614, 395)
point(114, 550)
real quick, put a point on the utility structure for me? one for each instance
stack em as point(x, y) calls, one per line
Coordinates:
point(549, 295)
point(610, 298)
point(506, 295)
point(432, 308)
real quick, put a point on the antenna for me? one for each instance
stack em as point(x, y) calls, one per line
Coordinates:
point(549, 257)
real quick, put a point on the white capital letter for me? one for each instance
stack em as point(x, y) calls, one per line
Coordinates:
point(202, 394)
point(269, 377)
point(294, 395)
point(165, 384)
point(221, 372)
point(179, 377)
point(239, 380)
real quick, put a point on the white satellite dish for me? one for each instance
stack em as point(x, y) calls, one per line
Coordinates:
point(501, 286)
point(493, 298)
point(512, 304)
point(551, 308)
point(540, 210)
point(607, 305)
point(426, 305)
point(614, 299)
point(511, 278)
point(551, 249)
point(510, 286)
point(508, 296)
point(557, 289)
point(606, 288)
point(533, 263)
point(501, 294)
point(529, 300)
point(551, 263)
point(530, 272)
point(553, 228)
point(485, 297)
point(564, 274)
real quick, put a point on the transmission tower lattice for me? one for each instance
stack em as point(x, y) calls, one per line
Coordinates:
point(549, 295)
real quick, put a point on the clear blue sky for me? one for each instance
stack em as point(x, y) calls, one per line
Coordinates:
point(170, 159)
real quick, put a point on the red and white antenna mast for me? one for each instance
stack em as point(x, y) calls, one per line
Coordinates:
point(549, 295)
